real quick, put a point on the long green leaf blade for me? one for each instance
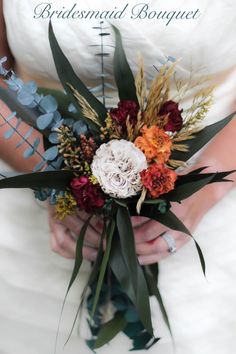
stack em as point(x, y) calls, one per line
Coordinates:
point(92, 277)
point(153, 288)
point(121, 272)
point(168, 219)
point(171, 221)
point(67, 76)
point(135, 272)
point(76, 269)
point(51, 179)
point(110, 233)
point(201, 139)
point(120, 269)
point(127, 241)
point(79, 252)
point(191, 183)
point(110, 329)
point(123, 75)
point(184, 191)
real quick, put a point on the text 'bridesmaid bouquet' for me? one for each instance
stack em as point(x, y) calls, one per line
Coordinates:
point(115, 163)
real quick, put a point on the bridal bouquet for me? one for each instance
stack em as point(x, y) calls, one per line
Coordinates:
point(115, 163)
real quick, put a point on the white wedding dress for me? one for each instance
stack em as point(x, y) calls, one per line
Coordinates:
point(33, 280)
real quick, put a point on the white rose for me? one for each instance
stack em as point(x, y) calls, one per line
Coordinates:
point(117, 166)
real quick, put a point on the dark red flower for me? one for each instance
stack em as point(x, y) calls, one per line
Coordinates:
point(88, 195)
point(125, 108)
point(175, 120)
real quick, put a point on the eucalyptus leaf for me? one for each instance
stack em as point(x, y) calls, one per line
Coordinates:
point(28, 115)
point(48, 104)
point(44, 120)
point(80, 127)
point(51, 153)
point(39, 166)
point(25, 98)
point(31, 86)
point(53, 138)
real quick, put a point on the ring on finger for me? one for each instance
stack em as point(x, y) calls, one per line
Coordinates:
point(170, 242)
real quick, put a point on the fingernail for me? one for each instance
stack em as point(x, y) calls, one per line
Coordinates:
point(140, 260)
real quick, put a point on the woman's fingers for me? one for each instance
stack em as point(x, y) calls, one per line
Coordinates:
point(148, 231)
point(138, 221)
point(75, 224)
point(152, 258)
point(61, 240)
point(158, 249)
point(65, 245)
point(90, 253)
point(155, 246)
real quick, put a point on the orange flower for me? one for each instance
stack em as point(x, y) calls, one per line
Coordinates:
point(154, 143)
point(158, 179)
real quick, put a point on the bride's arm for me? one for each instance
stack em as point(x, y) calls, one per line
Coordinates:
point(8, 152)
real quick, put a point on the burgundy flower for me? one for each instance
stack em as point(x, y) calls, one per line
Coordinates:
point(125, 108)
point(175, 120)
point(88, 195)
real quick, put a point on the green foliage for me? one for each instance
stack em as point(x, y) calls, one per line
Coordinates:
point(123, 75)
point(201, 139)
point(67, 76)
point(110, 329)
point(51, 179)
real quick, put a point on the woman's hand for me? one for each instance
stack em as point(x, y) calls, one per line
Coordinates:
point(151, 247)
point(64, 235)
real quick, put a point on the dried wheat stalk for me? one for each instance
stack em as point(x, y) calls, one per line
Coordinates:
point(141, 85)
point(87, 111)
